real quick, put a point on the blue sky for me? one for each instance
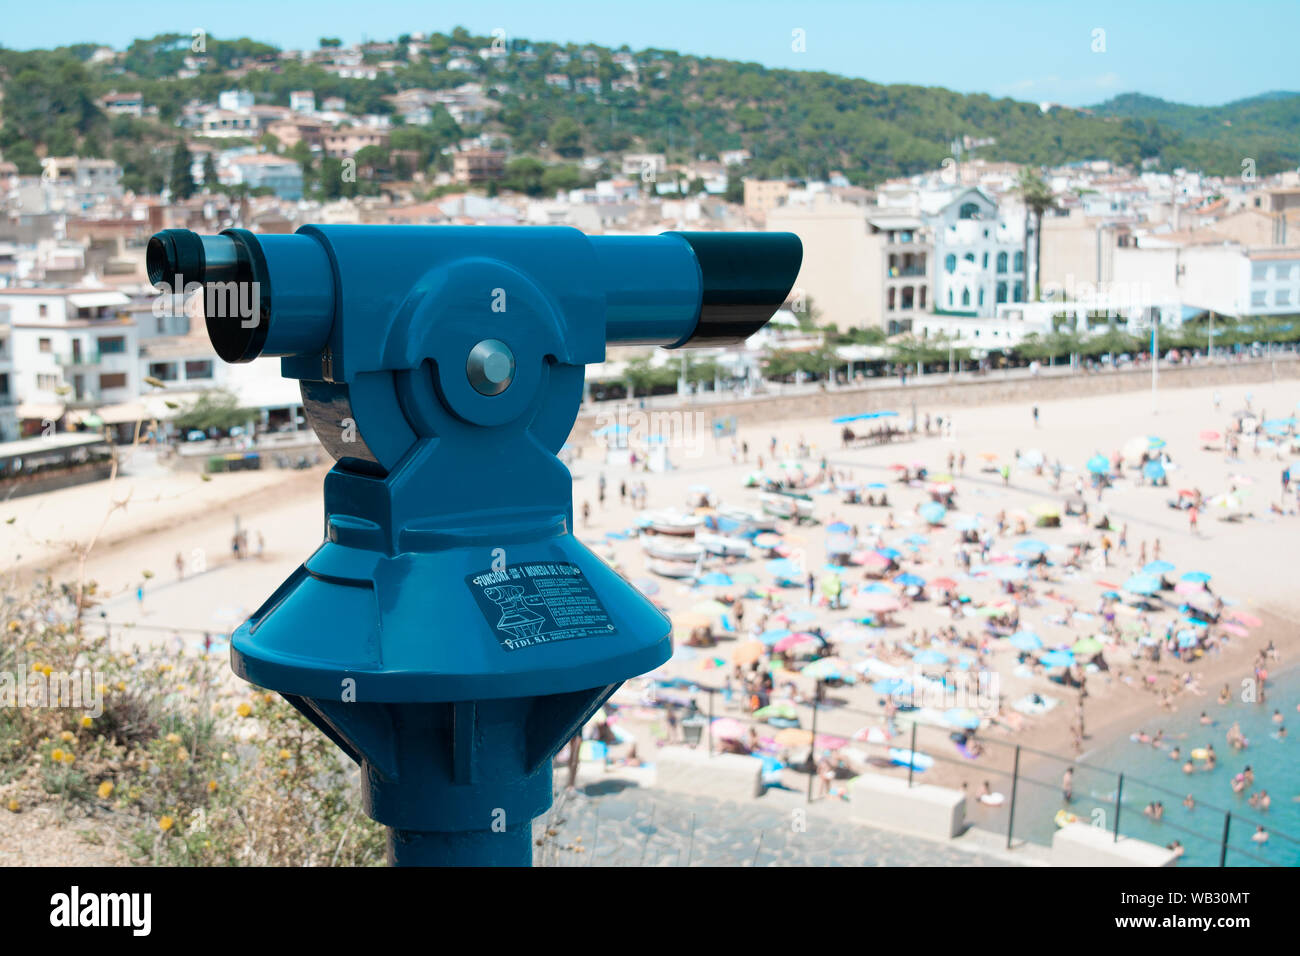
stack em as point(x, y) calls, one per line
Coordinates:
point(1194, 51)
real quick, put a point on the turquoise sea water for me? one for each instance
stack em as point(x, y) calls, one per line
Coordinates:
point(1276, 764)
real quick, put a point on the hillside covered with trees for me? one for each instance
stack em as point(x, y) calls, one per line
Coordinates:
point(795, 124)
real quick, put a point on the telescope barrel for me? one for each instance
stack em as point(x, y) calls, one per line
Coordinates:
point(694, 289)
point(235, 272)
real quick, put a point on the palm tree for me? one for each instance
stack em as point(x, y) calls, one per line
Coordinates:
point(1038, 199)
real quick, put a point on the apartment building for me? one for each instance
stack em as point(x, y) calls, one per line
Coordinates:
point(473, 166)
point(764, 195)
point(68, 348)
point(862, 267)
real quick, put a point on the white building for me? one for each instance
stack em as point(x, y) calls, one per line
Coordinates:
point(236, 101)
point(69, 347)
point(978, 252)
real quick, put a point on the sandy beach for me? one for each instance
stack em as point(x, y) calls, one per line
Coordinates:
point(179, 515)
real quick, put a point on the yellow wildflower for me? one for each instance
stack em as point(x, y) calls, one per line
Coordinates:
point(105, 789)
point(165, 824)
point(243, 710)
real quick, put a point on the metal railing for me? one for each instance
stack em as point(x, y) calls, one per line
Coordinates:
point(1117, 801)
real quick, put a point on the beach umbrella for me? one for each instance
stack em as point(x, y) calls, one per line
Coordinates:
point(933, 512)
point(943, 584)
point(1188, 588)
point(1026, 641)
point(783, 568)
point(793, 641)
point(1157, 567)
point(1187, 638)
point(1196, 577)
point(1086, 646)
point(1098, 465)
point(1056, 658)
point(1031, 546)
point(892, 687)
point(747, 652)
point(891, 554)
point(716, 579)
point(962, 717)
point(910, 581)
point(930, 656)
point(828, 668)
point(1031, 458)
point(877, 587)
point(1154, 470)
point(839, 544)
point(872, 559)
point(966, 523)
point(780, 710)
point(839, 527)
point(919, 540)
point(767, 540)
point(774, 635)
point(728, 728)
point(793, 737)
point(886, 414)
point(877, 603)
point(1144, 584)
point(877, 485)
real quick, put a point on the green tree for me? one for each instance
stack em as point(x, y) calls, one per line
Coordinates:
point(218, 408)
point(1038, 199)
point(565, 137)
point(209, 172)
point(182, 177)
point(524, 175)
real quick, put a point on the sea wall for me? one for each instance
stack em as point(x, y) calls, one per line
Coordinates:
point(935, 394)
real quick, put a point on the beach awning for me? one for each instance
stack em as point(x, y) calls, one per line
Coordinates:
point(96, 300)
point(43, 411)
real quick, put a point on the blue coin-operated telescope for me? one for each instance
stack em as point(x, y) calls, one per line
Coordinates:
point(451, 634)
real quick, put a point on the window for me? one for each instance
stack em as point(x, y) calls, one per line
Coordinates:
point(112, 380)
point(969, 210)
point(1001, 295)
point(1282, 297)
point(43, 310)
point(1002, 262)
point(198, 368)
point(112, 345)
point(908, 297)
point(950, 298)
point(985, 263)
point(921, 298)
point(969, 257)
point(1019, 263)
point(950, 263)
point(1259, 271)
point(45, 345)
point(1019, 293)
point(47, 383)
point(889, 304)
point(965, 297)
point(981, 298)
point(162, 325)
point(164, 371)
point(1259, 297)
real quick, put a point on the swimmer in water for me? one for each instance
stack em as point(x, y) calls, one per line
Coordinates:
point(1277, 716)
point(1206, 719)
point(1189, 767)
point(1175, 753)
point(1189, 802)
